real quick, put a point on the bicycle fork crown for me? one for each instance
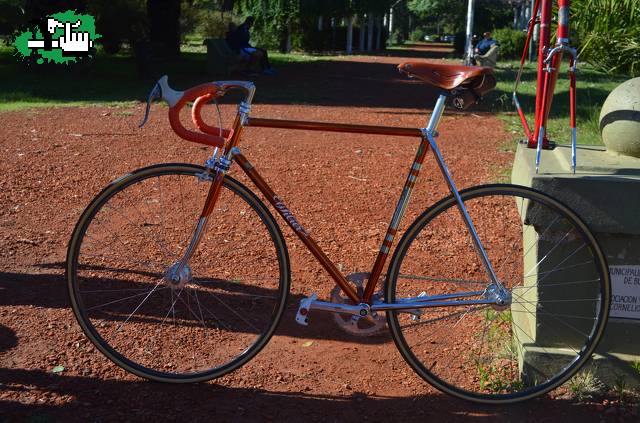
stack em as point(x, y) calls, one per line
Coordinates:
point(217, 164)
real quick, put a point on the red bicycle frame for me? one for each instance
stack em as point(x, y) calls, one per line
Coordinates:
point(302, 234)
point(549, 61)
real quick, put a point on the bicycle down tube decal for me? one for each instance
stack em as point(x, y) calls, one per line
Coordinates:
point(304, 236)
point(288, 216)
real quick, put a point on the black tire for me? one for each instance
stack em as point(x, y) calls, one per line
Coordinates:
point(547, 258)
point(222, 314)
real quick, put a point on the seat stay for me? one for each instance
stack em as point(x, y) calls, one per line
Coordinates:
point(482, 254)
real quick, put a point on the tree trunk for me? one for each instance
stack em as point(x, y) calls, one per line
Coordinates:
point(164, 27)
point(349, 48)
point(378, 32)
point(332, 24)
point(362, 33)
point(369, 31)
point(288, 44)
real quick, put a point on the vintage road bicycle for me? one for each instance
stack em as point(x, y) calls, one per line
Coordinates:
point(180, 273)
point(496, 293)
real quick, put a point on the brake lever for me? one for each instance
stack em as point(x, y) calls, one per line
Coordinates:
point(155, 94)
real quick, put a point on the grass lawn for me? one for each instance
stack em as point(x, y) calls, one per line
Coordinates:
point(111, 81)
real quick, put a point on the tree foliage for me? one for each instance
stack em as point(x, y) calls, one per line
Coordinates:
point(451, 15)
point(608, 33)
point(449, 12)
point(511, 42)
point(275, 18)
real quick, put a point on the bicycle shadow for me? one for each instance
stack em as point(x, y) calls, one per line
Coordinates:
point(49, 290)
point(116, 400)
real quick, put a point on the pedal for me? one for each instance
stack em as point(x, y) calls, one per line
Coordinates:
point(302, 317)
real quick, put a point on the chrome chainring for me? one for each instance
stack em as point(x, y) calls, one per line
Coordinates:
point(355, 325)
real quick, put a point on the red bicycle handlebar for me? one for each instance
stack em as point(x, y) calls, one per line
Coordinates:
point(201, 124)
point(200, 94)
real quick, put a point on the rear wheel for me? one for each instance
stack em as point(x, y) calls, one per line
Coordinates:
point(219, 312)
point(542, 253)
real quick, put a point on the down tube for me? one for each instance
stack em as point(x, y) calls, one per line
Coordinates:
point(297, 228)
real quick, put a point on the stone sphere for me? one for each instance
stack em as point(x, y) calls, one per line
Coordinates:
point(620, 119)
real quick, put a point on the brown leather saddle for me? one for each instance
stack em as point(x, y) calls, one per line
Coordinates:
point(466, 84)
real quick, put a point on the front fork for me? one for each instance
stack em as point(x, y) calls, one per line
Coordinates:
point(216, 169)
point(552, 62)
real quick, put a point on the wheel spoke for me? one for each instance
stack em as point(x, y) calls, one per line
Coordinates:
point(146, 293)
point(139, 305)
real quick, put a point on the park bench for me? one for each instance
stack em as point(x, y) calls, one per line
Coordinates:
point(221, 59)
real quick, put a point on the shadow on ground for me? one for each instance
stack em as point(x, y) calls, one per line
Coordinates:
point(91, 399)
point(49, 290)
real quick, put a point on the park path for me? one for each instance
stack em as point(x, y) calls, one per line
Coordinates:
point(341, 186)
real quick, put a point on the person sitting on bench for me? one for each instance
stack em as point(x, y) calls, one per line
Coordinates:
point(238, 40)
point(485, 52)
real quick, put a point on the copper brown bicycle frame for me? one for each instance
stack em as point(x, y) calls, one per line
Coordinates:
point(304, 236)
point(427, 139)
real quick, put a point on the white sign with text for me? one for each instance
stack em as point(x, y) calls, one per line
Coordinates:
point(625, 292)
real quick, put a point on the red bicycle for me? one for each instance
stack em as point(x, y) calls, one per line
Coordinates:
point(549, 61)
point(179, 273)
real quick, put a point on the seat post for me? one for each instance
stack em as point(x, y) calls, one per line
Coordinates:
point(436, 115)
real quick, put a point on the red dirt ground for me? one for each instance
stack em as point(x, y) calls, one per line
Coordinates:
point(341, 186)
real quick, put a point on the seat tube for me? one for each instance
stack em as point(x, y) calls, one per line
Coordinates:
point(430, 133)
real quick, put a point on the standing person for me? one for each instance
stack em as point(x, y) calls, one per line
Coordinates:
point(238, 40)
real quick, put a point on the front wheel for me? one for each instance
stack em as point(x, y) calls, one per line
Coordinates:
point(545, 256)
point(221, 309)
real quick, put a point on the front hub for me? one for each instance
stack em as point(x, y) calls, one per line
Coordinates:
point(177, 278)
